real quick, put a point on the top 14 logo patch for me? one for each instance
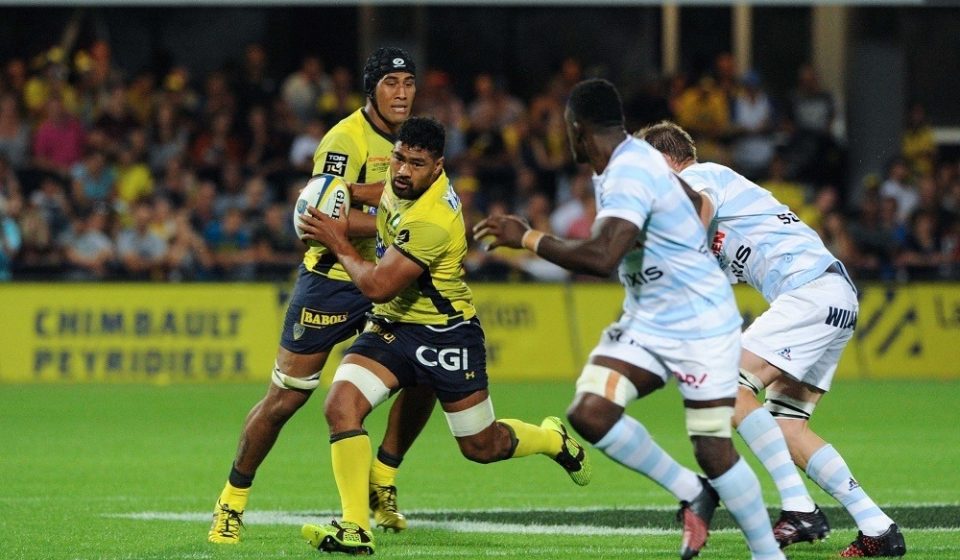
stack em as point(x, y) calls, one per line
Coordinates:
point(335, 164)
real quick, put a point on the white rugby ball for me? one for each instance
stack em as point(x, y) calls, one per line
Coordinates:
point(328, 194)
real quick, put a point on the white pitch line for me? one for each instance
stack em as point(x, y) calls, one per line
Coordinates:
point(298, 518)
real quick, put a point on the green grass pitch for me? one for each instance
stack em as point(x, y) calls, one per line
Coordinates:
point(132, 472)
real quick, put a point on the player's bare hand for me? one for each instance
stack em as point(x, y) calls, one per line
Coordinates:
point(323, 229)
point(506, 231)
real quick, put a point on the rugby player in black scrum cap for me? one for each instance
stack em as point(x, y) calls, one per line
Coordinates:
point(326, 308)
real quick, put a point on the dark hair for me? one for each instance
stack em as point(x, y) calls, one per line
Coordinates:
point(669, 139)
point(383, 61)
point(424, 133)
point(597, 102)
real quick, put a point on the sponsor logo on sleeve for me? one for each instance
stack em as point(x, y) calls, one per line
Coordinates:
point(335, 164)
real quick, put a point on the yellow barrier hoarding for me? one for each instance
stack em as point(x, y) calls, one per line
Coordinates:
point(129, 332)
point(170, 333)
point(527, 328)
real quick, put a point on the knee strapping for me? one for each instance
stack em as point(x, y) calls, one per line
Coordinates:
point(710, 422)
point(285, 381)
point(372, 387)
point(471, 421)
point(782, 406)
point(606, 383)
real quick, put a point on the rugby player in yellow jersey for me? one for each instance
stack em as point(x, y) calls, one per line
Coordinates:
point(326, 308)
point(423, 331)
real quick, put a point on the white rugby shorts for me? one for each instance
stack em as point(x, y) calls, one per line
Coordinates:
point(805, 330)
point(705, 368)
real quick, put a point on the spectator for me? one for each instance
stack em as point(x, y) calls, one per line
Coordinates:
point(115, 118)
point(201, 206)
point(14, 133)
point(230, 191)
point(575, 207)
point(487, 153)
point(277, 250)
point(703, 110)
point(59, 140)
point(837, 238)
point(875, 242)
point(266, 147)
point(188, 257)
point(305, 144)
point(217, 146)
point(791, 193)
point(89, 251)
point(232, 247)
point(177, 182)
point(50, 84)
point(169, 137)
point(142, 254)
point(10, 241)
point(543, 146)
point(898, 186)
point(813, 108)
point(918, 144)
point(134, 180)
point(255, 199)
point(341, 100)
point(94, 180)
point(218, 98)
point(9, 183)
point(164, 221)
point(438, 100)
point(42, 222)
point(753, 124)
point(256, 85)
point(493, 104)
point(923, 252)
point(303, 88)
point(141, 97)
point(14, 78)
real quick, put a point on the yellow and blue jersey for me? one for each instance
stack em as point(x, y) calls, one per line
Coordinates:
point(430, 231)
point(357, 151)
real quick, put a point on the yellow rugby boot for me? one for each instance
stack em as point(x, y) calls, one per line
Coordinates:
point(383, 504)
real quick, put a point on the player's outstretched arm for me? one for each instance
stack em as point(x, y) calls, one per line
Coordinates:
point(611, 239)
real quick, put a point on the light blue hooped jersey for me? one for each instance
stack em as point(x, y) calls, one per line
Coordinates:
point(756, 239)
point(673, 285)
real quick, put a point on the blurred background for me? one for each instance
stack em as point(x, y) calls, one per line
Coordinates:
point(164, 144)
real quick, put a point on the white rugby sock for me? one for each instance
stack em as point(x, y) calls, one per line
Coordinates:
point(828, 469)
point(629, 444)
point(761, 432)
point(739, 490)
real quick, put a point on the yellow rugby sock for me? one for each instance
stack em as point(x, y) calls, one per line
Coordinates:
point(351, 457)
point(382, 475)
point(234, 498)
point(533, 439)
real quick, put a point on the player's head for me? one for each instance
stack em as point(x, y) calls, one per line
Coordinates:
point(417, 157)
point(389, 84)
point(594, 105)
point(670, 140)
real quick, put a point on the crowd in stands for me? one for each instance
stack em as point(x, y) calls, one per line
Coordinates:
point(106, 174)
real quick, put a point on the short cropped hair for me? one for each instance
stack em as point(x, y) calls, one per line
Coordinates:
point(424, 133)
point(669, 139)
point(597, 102)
